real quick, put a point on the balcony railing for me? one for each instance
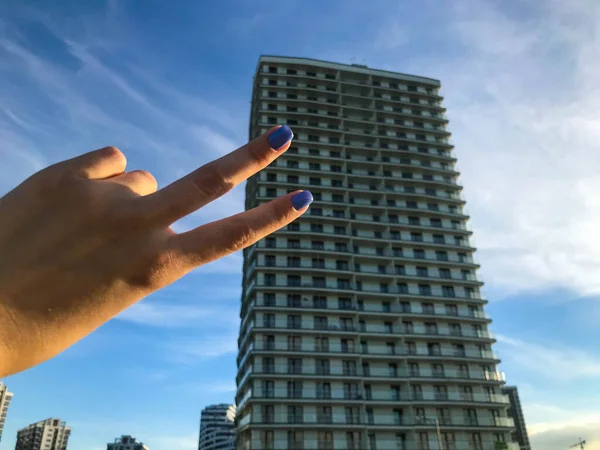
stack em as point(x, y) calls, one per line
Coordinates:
point(383, 253)
point(377, 420)
point(394, 330)
point(311, 370)
point(338, 268)
point(367, 308)
point(351, 287)
point(379, 397)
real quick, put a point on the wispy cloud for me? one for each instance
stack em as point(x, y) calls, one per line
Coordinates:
point(522, 96)
point(173, 315)
point(551, 360)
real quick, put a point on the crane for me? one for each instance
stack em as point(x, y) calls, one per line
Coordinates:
point(580, 444)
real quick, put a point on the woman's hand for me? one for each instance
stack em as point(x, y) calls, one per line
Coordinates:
point(82, 240)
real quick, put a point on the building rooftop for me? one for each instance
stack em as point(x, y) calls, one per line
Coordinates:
point(358, 68)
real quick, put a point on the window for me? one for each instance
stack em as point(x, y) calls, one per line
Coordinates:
point(433, 349)
point(292, 179)
point(451, 310)
point(269, 299)
point(292, 261)
point(320, 322)
point(324, 414)
point(317, 245)
point(294, 321)
point(439, 239)
point(441, 255)
point(293, 280)
point(402, 288)
point(295, 414)
point(294, 226)
point(294, 343)
point(339, 230)
point(424, 289)
point(349, 367)
point(431, 328)
point(419, 253)
point(445, 273)
point(268, 415)
point(435, 223)
point(448, 291)
point(293, 301)
point(370, 418)
point(295, 440)
point(267, 440)
point(316, 227)
point(294, 365)
point(270, 279)
point(422, 272)
point(294, 389)
point(322, 366)
point(323, 390)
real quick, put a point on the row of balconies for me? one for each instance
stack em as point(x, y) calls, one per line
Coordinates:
point(398, 272)
point(356, 165)
point(329, 80)
point(335, 185)
point(372, 375)
point(343, 286)
point(375, 127)
point(310, 154)
point(382, 421)
point(336, 97)
point(301, 229)
point(368, 252)
point(381, 183)
point(361, 307)
point(379, 444)
point(295, 395)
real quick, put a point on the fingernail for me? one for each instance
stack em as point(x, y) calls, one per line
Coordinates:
point(301, 200)
point(280, 137)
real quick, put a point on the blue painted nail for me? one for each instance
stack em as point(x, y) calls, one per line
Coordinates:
point(301, 200)
point(280, 137)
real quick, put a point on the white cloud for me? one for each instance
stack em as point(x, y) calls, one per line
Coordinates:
point(551, 360)
point(522, 98)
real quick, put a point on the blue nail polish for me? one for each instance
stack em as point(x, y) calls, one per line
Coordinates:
point(280, 137)
point(301, 200)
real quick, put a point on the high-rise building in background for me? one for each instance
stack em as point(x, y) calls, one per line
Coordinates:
point(5, 398)
point(49, 434)
point(516, 413)
point(217, 427)
point(362, 323)
point(126, 442)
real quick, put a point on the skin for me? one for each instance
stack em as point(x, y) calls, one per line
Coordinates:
point(83, 239)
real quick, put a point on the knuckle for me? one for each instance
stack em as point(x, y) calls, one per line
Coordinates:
point(112, 153)
point(213, 183)
point(244, 235)
point(144, 175)
point(154, 272)
point(258, 155)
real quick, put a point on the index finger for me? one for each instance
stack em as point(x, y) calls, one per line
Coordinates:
point(214, 179)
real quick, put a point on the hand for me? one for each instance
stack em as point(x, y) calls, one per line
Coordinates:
point(82, 240)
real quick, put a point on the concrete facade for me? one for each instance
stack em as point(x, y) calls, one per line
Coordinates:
point(362, 323)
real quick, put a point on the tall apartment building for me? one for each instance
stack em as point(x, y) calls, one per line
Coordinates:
point(126, 442)
point(5, 398)
point(362, 324)
point(516, 413)
point(217, 427)
point(49, 434)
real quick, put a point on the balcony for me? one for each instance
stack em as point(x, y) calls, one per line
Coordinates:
point(348, 287)
point(452, 260)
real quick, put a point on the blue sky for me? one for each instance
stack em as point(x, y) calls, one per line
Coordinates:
point(169, 83)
